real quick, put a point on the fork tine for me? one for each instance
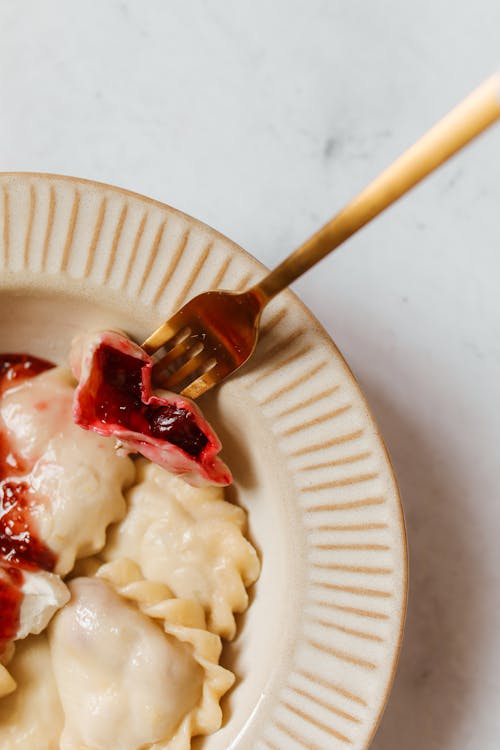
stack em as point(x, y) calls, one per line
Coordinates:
point(183, 352)
point(221, 334)
point(165, 333)
point(202, 384)
point(190, 368)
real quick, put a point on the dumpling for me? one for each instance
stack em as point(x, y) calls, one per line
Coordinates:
point(114, 397)
point(28, 600)
point(73, 474)
point(123, 681)
point(43, 594)
point(189, 539)
point(31, 718)
point(184, 620)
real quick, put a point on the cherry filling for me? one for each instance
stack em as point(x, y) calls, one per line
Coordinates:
point(11, 580)
point(14, 368)
point(115, 397)
point(19, 544)
point(20, 547)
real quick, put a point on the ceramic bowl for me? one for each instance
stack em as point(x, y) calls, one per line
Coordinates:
point(316, 652)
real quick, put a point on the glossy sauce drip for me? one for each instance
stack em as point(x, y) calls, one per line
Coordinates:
point(20, 548)
point(14, 368)
point(11, 580)
point(117, 397)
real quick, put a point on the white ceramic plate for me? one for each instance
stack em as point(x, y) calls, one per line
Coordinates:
point(317, 649)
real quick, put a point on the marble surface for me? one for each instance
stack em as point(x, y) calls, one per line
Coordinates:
point(262, 118)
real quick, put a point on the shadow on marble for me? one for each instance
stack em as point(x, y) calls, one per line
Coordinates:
point(446, 634)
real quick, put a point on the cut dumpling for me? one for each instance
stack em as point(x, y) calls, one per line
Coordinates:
point(73, 474)
point(114, 397)
point(31, 717)
point(123, 681)
point(189, 539)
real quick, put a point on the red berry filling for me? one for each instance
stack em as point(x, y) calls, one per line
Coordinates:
point(14, 368)
point(20, 548)
point(116, 398)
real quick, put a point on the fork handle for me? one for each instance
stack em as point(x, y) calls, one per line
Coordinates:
point(466, 121)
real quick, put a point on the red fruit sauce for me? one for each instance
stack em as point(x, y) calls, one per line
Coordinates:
point(20, 548)
point(14, 368)
point(117, 398)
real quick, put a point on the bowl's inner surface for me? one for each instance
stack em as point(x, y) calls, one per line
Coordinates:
point(43, 324)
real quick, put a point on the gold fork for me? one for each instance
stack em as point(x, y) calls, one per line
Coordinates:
point(216, 332)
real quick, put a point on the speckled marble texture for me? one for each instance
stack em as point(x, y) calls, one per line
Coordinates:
point(262, 118)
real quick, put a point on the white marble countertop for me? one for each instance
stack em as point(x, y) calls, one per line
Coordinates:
point(262, 118)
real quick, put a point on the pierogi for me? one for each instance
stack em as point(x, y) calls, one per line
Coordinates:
point(118, 579)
